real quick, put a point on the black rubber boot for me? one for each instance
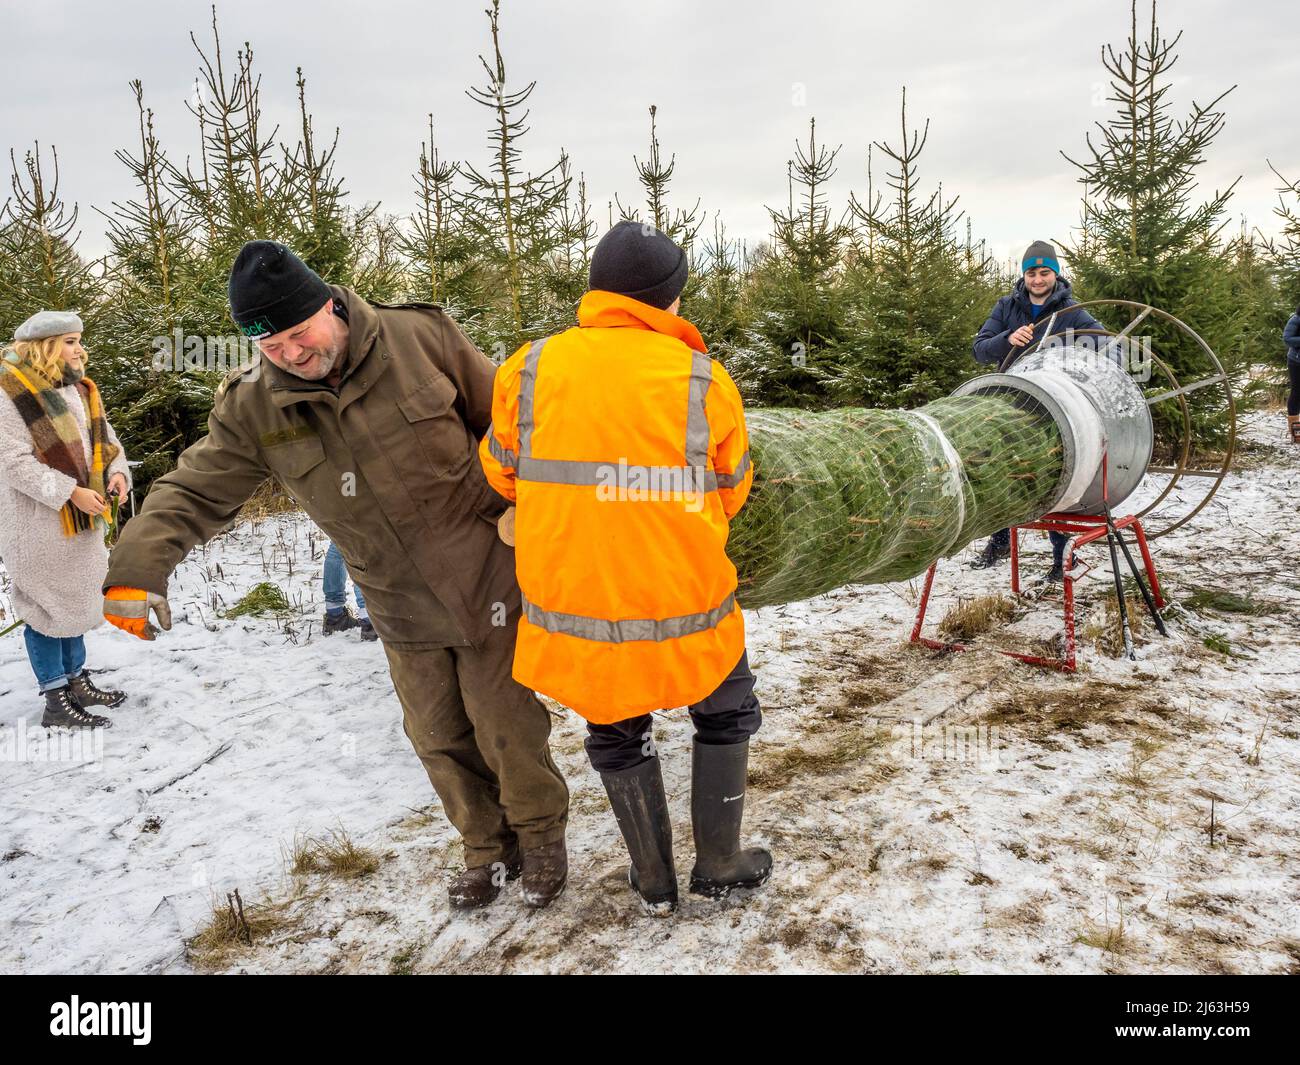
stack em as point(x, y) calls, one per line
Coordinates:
point(338, 621)
point(85, 692)
point(717, 806)
point(641, 809)
point(63, 711)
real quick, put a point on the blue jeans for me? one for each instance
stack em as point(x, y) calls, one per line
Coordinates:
point(1003, 539)
point(55, 659)
point(336, 583)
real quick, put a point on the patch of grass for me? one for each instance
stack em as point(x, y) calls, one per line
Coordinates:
point(866, 695)
point(234, 927)
point(1254, 756)
point(1106, 937)
point(1218, 644)
point(333, 855)
point(264, 598)
point(269, 499)
point(783, 766)
point(1142, 752)
point(403, 962)
point(1047, 714)
point(1103, 627)
point(969, 619)
point(1226, 602)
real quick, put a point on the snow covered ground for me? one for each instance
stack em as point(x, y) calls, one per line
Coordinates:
point(1045, 822)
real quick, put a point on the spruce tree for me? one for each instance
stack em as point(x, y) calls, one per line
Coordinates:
point(154, 281)
point(654, 176)
point(918, 294)
point(439, 253)
point(509, 211)
point(1148, 241)
point(40, 267)
point(717, 304)
point(789, 354)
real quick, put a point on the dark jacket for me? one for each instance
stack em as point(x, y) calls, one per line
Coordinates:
point(387, 466)
point(1291, 338)
point(1015, 310)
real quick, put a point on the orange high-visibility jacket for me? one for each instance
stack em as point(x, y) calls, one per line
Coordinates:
point(624, 448)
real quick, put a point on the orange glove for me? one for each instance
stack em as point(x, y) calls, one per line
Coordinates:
point(128, 609)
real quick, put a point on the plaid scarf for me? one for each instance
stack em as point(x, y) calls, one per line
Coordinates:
point(56, 435)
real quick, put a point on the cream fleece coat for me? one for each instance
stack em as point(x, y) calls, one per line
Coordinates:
point(56, 581)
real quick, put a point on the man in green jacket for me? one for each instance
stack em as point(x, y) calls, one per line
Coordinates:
point(369, 416)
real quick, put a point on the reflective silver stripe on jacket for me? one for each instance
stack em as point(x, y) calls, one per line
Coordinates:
point(694, 476)
point(730, 480)
point(502, 455)
point(527, 388)
point(697, 417)
point(606, 631)
point(619, 475)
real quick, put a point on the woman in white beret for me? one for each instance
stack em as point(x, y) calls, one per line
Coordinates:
point(59, 459)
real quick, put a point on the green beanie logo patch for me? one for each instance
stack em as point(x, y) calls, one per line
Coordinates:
point(257, 329)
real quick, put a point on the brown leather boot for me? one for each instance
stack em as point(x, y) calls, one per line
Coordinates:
point(546, 871)
point(479, 885)
point(1293, 427)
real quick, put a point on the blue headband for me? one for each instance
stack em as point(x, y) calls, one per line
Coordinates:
point(1041, 260)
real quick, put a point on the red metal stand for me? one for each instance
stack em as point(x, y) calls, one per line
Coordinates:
point(1085, 529)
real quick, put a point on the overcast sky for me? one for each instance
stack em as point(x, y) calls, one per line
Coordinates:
point(1005, 86)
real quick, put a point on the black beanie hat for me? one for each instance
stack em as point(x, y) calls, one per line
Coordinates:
point(635, 260)
point(272, 290)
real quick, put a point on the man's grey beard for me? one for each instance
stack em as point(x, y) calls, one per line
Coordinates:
point(327, 361)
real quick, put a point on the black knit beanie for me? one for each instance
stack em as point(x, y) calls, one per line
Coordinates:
point(272, 290)
point(635, 260)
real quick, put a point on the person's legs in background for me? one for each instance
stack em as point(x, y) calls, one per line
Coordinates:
point(1059, 540)
point(1293, 400)
point(363, 615)
point(997, 549)
point(335, 587)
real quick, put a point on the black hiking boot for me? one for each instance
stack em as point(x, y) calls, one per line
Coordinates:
point(479, 885)
point(996, 550)
point(367, 630)
point(637, 798)
point(339, 620)
point(63, 711)
point(717, 805)
point(85, 692)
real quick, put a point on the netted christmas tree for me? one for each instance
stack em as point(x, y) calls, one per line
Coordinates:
point(866, 496)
